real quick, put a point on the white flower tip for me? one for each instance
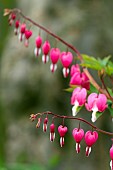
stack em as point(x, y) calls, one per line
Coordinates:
point(74, 110)
point(45, 58)
point(53, 67)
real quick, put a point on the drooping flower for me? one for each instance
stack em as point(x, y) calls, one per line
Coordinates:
point(78, 135)
point(111, 156)
point(11, 18)
point(52, 132)
point(78, 99)
point(38, 43)
point(78, 78)
point(17, 24)
point(90, 138)
point(22, 31)
point(96, 103)
point(54, 56)
point(45, 124)
point(45, 49)
point(62, 131)
point(66, 59)
point(28, 34)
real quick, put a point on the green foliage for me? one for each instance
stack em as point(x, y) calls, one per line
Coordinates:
point(98, 64)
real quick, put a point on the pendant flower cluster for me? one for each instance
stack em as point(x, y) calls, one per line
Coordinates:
point(82, 94)
point(97, 103)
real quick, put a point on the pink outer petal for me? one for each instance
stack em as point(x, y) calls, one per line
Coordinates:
point(76, 79)
point(74, 69)
point(78, 134)
point(46, 47)
point(101, 102)
point(91, 101)
point(62, 130)
point(54, 55)
point(81, 97)
point(38, 42)
point(90, 138)
point(74, 95)
point(111, 152)
point(66, 59)
point(85, 81)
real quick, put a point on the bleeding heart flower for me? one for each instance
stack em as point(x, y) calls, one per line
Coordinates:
point(45, 49)
point(66, 59)
point(45, 124)
point(28, 34)
point(90, 138)
point(52, 132)
point(78, 135)
point(54, 56)
point(62, 131)
point(17, 24)
point(22, 31)
point(78, 99)
point(96, 103)
point(38, 43)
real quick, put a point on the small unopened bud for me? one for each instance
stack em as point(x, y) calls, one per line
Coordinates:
point(45, 124)
point(32, 117)
point(38, 123)
point(52, 132)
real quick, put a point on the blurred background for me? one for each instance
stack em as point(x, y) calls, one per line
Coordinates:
point(27, 85)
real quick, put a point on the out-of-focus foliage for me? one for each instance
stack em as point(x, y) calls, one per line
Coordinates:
point(28, 86)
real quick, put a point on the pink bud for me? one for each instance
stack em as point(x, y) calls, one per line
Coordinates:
point(52, 132)
point(78, 135)
point(28, 34)
point(90, 138)
point(45, 50)
point(38, 42)
point(23, 28)
point(13, 16)
point(62, 131)
point(45, 124)
point(17, 24)
point(22, 31)
point(38, 123)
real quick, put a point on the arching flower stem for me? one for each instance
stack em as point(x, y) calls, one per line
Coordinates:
point(92, 81)
point(72, 118)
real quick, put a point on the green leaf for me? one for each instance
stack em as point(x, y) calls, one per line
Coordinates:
point(98, 114)
point(109, 68)
point(91, 62)
point(110, 107)
point(104, 62)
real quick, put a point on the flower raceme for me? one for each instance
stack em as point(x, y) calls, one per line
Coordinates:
point(66, 59)
point(78, 78)
point(78, 135)
point(62, 130)
point(78, 99)
point(96, 103)
point(90, 138)
point(111, 156)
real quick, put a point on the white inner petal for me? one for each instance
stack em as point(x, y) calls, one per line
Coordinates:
point(94, 118)
point(74, 108)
